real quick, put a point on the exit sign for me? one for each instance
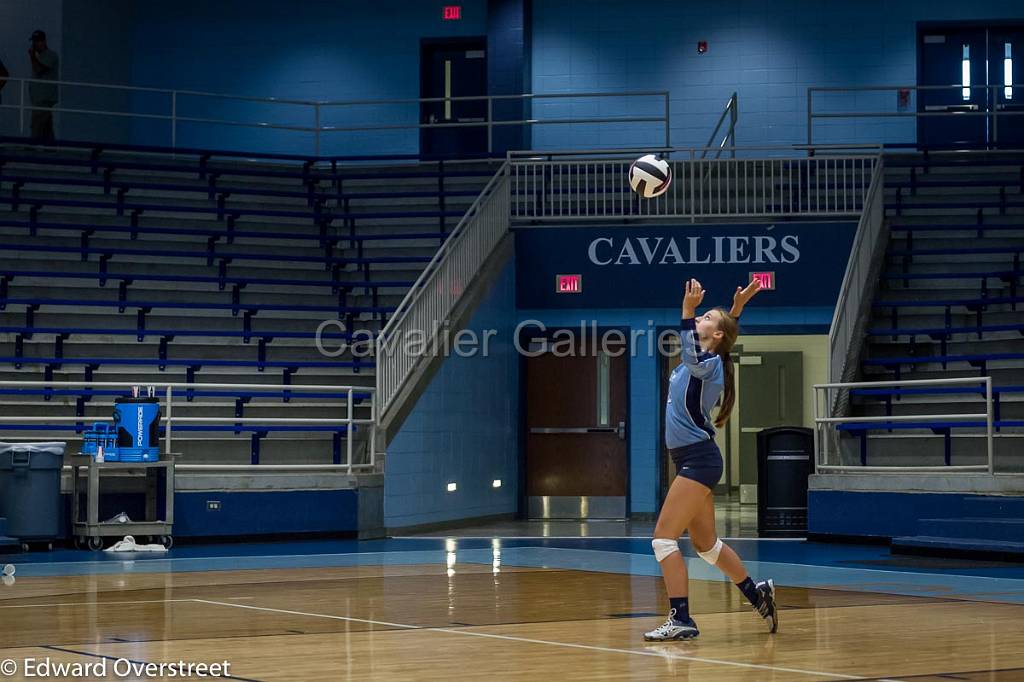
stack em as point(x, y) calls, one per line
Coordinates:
point(569, 284)
point(767, 279)
point(451, 12)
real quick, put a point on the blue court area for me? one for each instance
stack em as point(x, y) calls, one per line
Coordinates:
point(792, 563)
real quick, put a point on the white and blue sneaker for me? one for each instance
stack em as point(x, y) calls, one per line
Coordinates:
point(672, 629)
point(767, 608)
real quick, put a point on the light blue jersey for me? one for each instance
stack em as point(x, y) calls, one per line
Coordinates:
point(693, 390)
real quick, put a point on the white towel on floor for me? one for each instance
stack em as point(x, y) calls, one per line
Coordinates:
point(129, 545)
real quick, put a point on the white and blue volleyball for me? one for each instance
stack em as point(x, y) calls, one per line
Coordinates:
point(650, 176)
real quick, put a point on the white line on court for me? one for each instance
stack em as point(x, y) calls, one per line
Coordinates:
point(568, 645)
point(122, 562)
point(102, 603)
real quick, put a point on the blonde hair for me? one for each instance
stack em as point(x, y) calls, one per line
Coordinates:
point(730, 329)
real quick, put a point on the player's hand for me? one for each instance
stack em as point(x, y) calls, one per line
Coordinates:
point(692, 298)
point(744, 294)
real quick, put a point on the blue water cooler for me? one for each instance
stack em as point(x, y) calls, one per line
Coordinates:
point(137, 421)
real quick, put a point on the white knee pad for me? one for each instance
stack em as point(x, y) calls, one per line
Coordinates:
point(663, 548)
point(711, 556)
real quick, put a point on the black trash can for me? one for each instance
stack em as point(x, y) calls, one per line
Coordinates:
point(30, 489)
point(785, 458)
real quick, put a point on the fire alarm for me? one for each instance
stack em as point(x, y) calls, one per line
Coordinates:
point(702, 47)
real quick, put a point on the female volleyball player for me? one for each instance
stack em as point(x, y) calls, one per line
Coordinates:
point(694, 389)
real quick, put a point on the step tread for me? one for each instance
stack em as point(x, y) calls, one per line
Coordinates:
point(958, 543)
point(978, 520)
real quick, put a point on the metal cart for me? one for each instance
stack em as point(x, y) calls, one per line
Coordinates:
point(90, 531)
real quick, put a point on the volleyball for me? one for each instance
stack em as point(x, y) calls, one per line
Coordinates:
point(650, 176)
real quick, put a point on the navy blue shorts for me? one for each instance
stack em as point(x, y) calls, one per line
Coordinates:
point(701, 462)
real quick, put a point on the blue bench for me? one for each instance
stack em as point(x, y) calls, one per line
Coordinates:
point(938, 427)
point(914, 183)
point(258, 432)
point(235, 308)
point(333, 263)
point(1011, 277)
point(145, 307)
point(887, 394)
point(319, 216)
point(976, 305)
point(121, 187)
point(979, 360)
point(980, 227)
point(942, 334)
point(241, 397)
point(229, 234)
point(167, 335)
point(239, 394)
point(246, 336)
point(959, 251)
point(1002, 204)
point(305, 163)
point(341, 287)
point(90, 365)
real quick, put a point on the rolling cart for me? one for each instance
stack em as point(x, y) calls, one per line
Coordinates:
point(89, 532)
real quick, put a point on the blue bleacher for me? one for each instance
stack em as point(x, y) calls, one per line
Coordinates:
point(369, 229)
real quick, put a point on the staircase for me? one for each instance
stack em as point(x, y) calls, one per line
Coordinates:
point(956, 235)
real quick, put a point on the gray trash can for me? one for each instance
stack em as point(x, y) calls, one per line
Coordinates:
point(30, 489)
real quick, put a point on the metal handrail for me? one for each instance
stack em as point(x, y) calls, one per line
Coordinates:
point(693, 152)
point(843, 331)
point(757, 182)
point(994, 113)
point(730, 134)
point(821, 444)
point(168, 419)
point(317, 107)
point(390, 377)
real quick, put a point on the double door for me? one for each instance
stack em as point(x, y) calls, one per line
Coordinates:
point(973, 77)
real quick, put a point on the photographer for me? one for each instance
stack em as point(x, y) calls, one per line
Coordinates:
point(45, 66)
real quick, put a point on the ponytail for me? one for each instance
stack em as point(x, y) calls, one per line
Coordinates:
point(729, 394)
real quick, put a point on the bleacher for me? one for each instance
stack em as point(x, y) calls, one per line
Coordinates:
point(948, 305)
point(138, 265)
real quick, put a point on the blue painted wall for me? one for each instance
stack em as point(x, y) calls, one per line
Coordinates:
point(508, 68)
point(318, 50)
point(767, 51)
point(464, 429)
point(242, 513)
point(266, 513)
point(94, 51)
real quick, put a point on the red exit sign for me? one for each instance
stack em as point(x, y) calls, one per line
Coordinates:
point(451, 12)
point(569, 284)
point(767, 279)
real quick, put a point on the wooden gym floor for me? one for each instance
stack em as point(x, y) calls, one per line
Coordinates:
point(525, 612)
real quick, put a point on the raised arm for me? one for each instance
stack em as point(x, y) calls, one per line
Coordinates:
point(700, 364)
point(743, 296)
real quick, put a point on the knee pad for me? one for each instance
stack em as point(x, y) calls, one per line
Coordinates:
point(711, 556)
point(663, 548)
